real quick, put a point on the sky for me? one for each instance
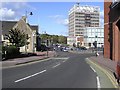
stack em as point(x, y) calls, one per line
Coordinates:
point(51, 17)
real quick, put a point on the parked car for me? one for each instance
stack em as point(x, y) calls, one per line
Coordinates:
point(65, 50)
point(82, 48)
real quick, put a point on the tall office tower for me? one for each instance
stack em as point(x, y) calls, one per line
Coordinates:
point(79, 18)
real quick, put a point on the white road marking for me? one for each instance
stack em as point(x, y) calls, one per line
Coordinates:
point(62, 58)
point(92, 68)
point(64, 61)
point(98, 82)
point(29, 76)
point(56, 65)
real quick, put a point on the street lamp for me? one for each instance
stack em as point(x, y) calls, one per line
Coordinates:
point(27, 13)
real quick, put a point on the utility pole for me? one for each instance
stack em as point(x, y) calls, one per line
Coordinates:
point(47, 44)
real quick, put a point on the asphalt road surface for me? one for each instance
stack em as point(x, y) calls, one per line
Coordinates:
point(68, 70)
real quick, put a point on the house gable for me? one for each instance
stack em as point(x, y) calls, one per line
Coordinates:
point(23, 26)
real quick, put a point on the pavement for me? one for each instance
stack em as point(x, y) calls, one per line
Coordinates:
point(109, 67)
point(83, 51)
point(108, 63)
point(17, 61)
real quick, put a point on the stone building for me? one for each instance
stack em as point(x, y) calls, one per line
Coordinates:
point(30, 30)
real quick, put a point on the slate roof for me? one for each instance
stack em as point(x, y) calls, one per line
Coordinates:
point(7, 25)
point(34, 27)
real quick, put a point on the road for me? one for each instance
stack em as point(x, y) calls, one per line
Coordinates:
point(68, 70)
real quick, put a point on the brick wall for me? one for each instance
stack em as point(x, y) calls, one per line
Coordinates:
point(106, 30)
point(112, 31)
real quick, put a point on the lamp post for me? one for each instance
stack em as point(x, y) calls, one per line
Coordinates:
point(33, 41)
point(27, 13)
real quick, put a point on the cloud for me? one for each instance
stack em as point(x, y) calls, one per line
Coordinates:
point(14, 10)
point(102, 18)
point(60, 19)
point(66, 21)
point(7, 14)
point(18, 5)
point(56, 16)
point(102, 22)
point(102, 14)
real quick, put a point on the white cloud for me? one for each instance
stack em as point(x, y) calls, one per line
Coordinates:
point(56, 16)
point(7, 14)
point(102, 18)
point(102, 14)
point(14, 10)
point(21, 5)
point(66, 21)
point(101, 22)
point(59, 19)
point(18, 5)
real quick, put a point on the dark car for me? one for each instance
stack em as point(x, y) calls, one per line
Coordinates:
point(83, 48)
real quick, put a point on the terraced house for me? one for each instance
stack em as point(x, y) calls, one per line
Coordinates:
point(30, 30)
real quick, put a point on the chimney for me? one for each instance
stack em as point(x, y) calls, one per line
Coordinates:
point(24, 18)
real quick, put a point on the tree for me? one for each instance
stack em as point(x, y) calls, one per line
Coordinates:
point(17, 38)
point(53, 39)
point(62, 39)
point(44, 37)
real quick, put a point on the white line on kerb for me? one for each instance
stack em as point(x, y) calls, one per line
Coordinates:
point(56, 65)
point(92, 68)
point(98, 82)
point(29, 76)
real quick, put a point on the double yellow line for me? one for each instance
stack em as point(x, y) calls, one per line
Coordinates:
point(106, 73)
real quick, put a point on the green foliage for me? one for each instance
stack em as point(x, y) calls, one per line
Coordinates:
point(62, 39)
point(17, 38)
point(10, 51)
point(53, 38)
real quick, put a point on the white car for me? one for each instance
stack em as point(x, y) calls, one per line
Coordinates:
point(65, 50)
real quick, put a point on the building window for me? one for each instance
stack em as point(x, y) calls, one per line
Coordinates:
point(27, 47)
